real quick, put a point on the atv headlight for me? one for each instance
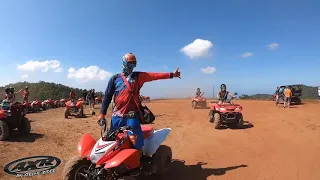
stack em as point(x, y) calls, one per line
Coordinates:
point(222, 109)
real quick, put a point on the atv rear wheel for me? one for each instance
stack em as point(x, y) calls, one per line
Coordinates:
point(25, 127)
point(194, 105)
point(217, 121)
point(162, 159)
point(211, 116)
point(81, 114)
point(74, 167)
point(4, 130)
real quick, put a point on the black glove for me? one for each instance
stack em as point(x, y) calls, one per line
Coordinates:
point(101, 122)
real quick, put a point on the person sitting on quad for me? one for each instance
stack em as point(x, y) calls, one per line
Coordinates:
point(198, 93)
point(10, 94)
point(223, 94)
point(72, 95)
point(126, 87)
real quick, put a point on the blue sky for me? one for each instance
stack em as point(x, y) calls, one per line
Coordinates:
point(81, 33)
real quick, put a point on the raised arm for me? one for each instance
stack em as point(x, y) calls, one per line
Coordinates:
point(108, 96)
point(152, 76)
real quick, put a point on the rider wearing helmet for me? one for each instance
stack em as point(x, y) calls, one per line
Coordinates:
point(125, 87)
point(198, 93)
point(223, 93)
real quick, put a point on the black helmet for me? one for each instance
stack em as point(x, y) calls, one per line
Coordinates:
point(198, 89)
point(223, 87)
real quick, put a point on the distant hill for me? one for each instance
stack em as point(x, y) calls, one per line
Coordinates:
point(308, 92)
point(43, 90)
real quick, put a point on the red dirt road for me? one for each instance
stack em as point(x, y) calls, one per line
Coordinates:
point(284, 144)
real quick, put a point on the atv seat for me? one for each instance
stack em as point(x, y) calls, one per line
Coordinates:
point(147, 131)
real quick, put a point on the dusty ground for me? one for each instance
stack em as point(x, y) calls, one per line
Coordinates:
point(284, 144)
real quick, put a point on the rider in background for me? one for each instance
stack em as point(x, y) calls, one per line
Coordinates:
point(223, 94)
point(287, 97)
point(127, 100)
point(90, 98)
point(277, 93)
point(72, 95)
point(11, 95)
point(84, 96)
point(198, 93)
point(25, 94)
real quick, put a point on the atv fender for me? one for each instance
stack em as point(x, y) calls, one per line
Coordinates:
point(129, 157)
point(152, 143)
point(85, 145)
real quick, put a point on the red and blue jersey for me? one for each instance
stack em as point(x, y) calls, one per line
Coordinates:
point(123, 99)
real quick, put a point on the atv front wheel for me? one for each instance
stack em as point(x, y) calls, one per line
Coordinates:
point(4, 130)
point(162, 159)
point(240, 121)
point(217, 121)
point(194, 105)
point(74, 169)
point(66, 114)
point(25, 126)
point(211, 116)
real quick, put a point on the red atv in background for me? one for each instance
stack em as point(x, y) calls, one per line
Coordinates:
point(44, 105)
point(50, 103)
point(98, 100)
point(113, 157)
point(145, 99)
point(226, 113)
point(199, 101)
point(56, 104)
point(28, 108)
point(35, 106)
point(63, 102)
point(74, 108)
point(12, 116)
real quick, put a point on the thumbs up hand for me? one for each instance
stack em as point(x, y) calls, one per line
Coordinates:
point(176, 73)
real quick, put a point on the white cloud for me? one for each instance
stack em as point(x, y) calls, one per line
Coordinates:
point(246, 54)
point(273, 46)
point(87, 74)
point(208, 70)
point(199, 48)
point(43, 66)
point(24, 76)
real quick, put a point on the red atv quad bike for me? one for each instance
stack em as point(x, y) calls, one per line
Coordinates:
point(226, 113)
point(63, 102)
point(50, 103)
point(145, 99)
point(12, 116)
point(28, 108)
point(199, 101)
point(44, 105)
point(98, 100)
point(113, 157)
point(36, 106)
point(74, 108)
point(56, 103)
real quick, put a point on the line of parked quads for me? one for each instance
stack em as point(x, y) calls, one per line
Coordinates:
point(13, 115)
point(221, 113)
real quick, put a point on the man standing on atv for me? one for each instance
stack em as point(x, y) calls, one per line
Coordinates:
point(25, 94)
point(287, 97)
point(72, 96)
point(223, 94)
point(127, 98)
point(198, 93)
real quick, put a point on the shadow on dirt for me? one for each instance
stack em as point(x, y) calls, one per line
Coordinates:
point(246, 125)
point(16, 137)
point(178, 170)
point(159, 115)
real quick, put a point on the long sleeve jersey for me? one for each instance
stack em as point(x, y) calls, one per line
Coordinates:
point(124, 100)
